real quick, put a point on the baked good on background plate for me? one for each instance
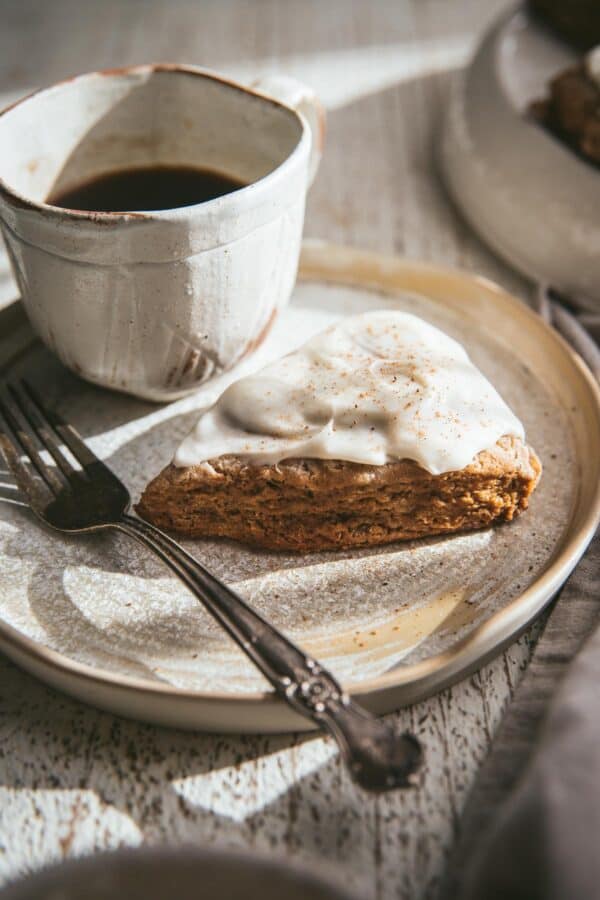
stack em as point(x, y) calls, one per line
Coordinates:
point(571, 111)
point(378, 429)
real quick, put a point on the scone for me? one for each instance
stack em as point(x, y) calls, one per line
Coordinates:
point(314, 504)
point(379, 429)
point(571, 112)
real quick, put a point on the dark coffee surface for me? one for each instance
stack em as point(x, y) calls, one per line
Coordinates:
point(149, 188)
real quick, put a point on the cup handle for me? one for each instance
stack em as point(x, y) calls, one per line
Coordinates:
point(303, 99)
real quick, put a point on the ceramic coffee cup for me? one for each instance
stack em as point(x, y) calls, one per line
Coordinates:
point(154, 303)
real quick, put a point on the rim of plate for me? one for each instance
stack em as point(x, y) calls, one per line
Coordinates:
point(337, 264)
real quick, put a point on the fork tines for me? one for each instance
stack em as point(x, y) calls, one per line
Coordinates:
point(30, 429)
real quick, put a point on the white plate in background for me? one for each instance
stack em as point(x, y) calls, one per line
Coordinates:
point(529, 196)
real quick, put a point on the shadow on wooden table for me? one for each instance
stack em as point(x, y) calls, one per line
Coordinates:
point(78, 766)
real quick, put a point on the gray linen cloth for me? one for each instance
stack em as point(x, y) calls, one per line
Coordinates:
point(544, 842)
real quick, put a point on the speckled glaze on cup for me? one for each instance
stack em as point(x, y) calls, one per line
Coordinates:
point(154, 303)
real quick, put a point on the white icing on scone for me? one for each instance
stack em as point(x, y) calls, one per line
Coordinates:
point(372, 389)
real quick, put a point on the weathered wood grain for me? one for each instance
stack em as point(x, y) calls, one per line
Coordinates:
point(74, 779)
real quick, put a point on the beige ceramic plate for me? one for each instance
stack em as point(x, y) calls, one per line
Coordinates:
point(100, 619)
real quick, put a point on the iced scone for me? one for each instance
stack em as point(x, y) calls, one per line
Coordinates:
point(378, 429)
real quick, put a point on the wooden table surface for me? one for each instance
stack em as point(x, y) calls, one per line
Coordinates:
point(73, 779)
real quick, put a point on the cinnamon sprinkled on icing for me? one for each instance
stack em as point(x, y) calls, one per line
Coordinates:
point(374, 388)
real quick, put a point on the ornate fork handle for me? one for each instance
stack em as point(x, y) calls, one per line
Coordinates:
point(378, 758)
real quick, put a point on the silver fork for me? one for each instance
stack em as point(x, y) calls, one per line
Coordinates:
point(88, 497)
